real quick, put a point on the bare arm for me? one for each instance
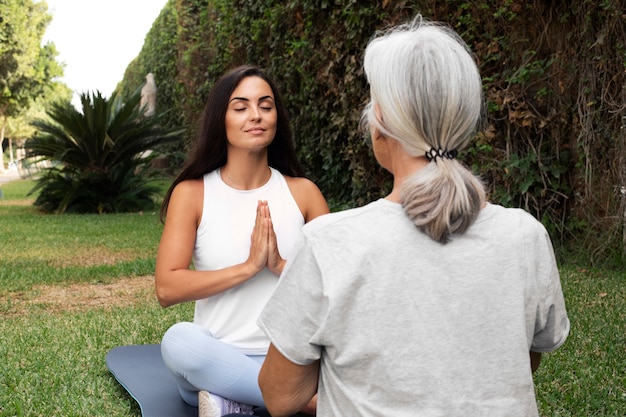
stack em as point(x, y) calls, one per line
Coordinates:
point(308, 197)
point(287, 387)
point(174, 280)
point(176, 283)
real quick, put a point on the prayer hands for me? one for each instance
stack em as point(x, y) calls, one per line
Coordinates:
point(264, 247)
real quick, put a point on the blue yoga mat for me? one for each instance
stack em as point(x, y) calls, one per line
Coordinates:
point(141, 371)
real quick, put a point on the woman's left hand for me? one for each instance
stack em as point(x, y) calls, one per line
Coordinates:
point(275, 262)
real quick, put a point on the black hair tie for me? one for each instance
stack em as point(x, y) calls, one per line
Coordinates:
point(435, 153)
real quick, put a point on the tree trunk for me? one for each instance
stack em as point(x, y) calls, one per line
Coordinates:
point(11, 152)
point(2, 140)
point(622, 172)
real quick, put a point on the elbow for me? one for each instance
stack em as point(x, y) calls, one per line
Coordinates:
point(163, 296)
point(265, 391)
point(276, 404)
point(279, 408)
point(278, 412)
point(280, 403)
point(287, 406)
point(288, 388)
point(164, 301)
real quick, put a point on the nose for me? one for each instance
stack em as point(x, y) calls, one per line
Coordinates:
point(255, 113)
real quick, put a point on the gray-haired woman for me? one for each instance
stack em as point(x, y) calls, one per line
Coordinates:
point(430, 301)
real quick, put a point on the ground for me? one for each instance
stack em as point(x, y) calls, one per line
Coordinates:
point(74, 297)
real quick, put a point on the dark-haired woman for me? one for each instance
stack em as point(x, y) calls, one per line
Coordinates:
point(235, 212)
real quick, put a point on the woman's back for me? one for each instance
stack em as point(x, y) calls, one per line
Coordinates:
point(414, 327)
point(429, 302)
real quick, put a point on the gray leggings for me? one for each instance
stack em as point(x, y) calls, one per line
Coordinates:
point(199, 362)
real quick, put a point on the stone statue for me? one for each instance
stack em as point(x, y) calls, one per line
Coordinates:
point(149, 95)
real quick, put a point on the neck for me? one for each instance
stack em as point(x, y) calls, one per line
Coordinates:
point(403, 167)
point(245, 176)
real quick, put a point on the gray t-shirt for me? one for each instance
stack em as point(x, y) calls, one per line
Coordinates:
point(406, 326)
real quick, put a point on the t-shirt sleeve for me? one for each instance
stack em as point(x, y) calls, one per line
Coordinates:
point(295, 312)
point(551, 322)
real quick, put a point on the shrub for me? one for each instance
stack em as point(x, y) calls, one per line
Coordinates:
point(99, 157)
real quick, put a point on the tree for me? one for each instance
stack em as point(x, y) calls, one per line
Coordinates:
point(26, 67)
point(99, 156)
point(18, 128)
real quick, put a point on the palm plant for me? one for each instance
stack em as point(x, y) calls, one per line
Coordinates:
point(99, 157)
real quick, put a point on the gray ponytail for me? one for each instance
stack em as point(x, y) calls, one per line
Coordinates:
point(428, 93)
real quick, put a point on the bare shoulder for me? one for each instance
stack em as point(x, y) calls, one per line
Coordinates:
point(297, 183)
point(302, 188)
point(308, 197)
point(190, 187)
point(187, 195)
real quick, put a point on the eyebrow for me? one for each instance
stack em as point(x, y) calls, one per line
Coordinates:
point(247, 99)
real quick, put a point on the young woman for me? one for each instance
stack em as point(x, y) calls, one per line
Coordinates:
point(235, 212)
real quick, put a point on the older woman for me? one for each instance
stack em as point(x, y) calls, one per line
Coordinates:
point(430, 301)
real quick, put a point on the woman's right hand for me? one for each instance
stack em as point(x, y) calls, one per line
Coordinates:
point(259, 248)
point(174, 280)
point(264, 247)
point(275, 262)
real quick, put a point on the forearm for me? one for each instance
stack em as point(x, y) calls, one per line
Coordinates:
point(310, 407)
point(288, 388)
point(283, 402)
point(174, 286)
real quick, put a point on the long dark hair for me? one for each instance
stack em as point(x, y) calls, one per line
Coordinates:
point(209, 152)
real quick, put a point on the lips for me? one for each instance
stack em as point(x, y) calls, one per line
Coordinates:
point(256, 130)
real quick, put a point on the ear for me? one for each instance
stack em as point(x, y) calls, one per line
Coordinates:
point(376, 134)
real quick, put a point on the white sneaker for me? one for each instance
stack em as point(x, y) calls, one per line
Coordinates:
point(231, 406)
point(209, 407)
point(206, 406)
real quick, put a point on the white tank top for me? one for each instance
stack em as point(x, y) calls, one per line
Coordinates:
point(223, 240)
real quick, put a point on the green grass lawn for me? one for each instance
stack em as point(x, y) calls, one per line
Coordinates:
point(52, 352)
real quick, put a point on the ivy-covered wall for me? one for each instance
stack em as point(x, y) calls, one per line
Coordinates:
point(554, 141)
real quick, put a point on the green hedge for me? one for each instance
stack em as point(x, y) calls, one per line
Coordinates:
point(554, 84)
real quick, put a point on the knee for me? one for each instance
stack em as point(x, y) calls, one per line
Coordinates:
point(178, 342)
point(180, 331)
